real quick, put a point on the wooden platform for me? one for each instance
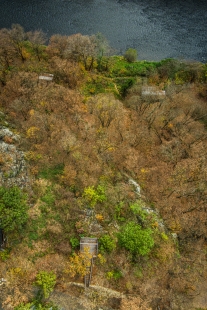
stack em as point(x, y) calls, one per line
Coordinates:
point(89, 243)
point(46, 77)
point(152, 91)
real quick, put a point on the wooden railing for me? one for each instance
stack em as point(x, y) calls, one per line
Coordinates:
point(91, 245)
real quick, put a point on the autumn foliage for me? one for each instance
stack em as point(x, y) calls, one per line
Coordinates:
point(85, 135)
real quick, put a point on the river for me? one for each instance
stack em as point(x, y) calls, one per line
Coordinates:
point(157, 29)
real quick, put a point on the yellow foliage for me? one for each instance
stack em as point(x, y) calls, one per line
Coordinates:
point(99, 217)
point(31, 112)
point(14, 275)
point(129, 286)
point(109, 275)
point(78, 263)
point(170, 125)
point(33, 156)
point(82, 66)
point(92, 90)
point(175, 226)
point(25, 54)
point(16, 271)
point(101, 259)
point(43, 103)
point(111, 149)
point(32, 132)
point(155, 225)
point(143, 170)
point(105, 178)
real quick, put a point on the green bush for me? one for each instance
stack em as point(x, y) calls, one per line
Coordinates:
point(46, 282)
point(120, 212)
point(124, 84)
point(48, 197)
point(114, 275)
point(93, 195)
point(74, 242)
point(4, 255)
point(51, 173)
point(135, 239)
point(21, 306)
point(130, 55)
point(138, 209)
point(106, 244)
point(120, 68)
point(13, 208)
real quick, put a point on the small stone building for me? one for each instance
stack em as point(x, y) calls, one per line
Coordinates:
point(152, 92)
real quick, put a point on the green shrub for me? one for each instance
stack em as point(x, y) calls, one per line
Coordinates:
point(164, 236)
point(74, 242)
point(121, 68)
point(138, 273)
point(27, 306)
point(143, 215)
point(46, 282)
point(13, 208)
point(138, 209)
point(106, 244)
point(135, 239)
point(124, 84)
point(36, 306)
point(130, 55)
point(51, 173)
point(4, 255)
point(48, 197)
point(120, 212)
point(114, 275)
point(93, 195)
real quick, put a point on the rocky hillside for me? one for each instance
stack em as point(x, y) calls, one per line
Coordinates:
point(91, 154)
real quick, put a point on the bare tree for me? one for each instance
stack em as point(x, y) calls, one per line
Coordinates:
point(105, 107)
point(18, 36)
point(6, 54)
point(57, 45)
point(102, 49)
point(37, 39)
point(81, 48)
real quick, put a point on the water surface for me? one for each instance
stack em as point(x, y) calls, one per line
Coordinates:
point(156, 28)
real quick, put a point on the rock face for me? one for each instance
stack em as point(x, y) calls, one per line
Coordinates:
point(13, 169)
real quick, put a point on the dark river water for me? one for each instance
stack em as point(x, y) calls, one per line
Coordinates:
point(157, 29)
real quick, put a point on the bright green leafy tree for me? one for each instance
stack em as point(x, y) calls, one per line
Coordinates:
point(93, 195)
point(13, 208)
point(135, 239)
point(106, 244)
point(27, 306)
point(46, 282)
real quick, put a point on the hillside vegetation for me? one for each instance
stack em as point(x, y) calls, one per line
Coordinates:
point(103, 160)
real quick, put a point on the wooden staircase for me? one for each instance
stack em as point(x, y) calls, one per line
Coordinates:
point(88, 276)
point(90, 244)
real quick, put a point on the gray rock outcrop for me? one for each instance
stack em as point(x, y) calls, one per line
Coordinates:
point(13, 168)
